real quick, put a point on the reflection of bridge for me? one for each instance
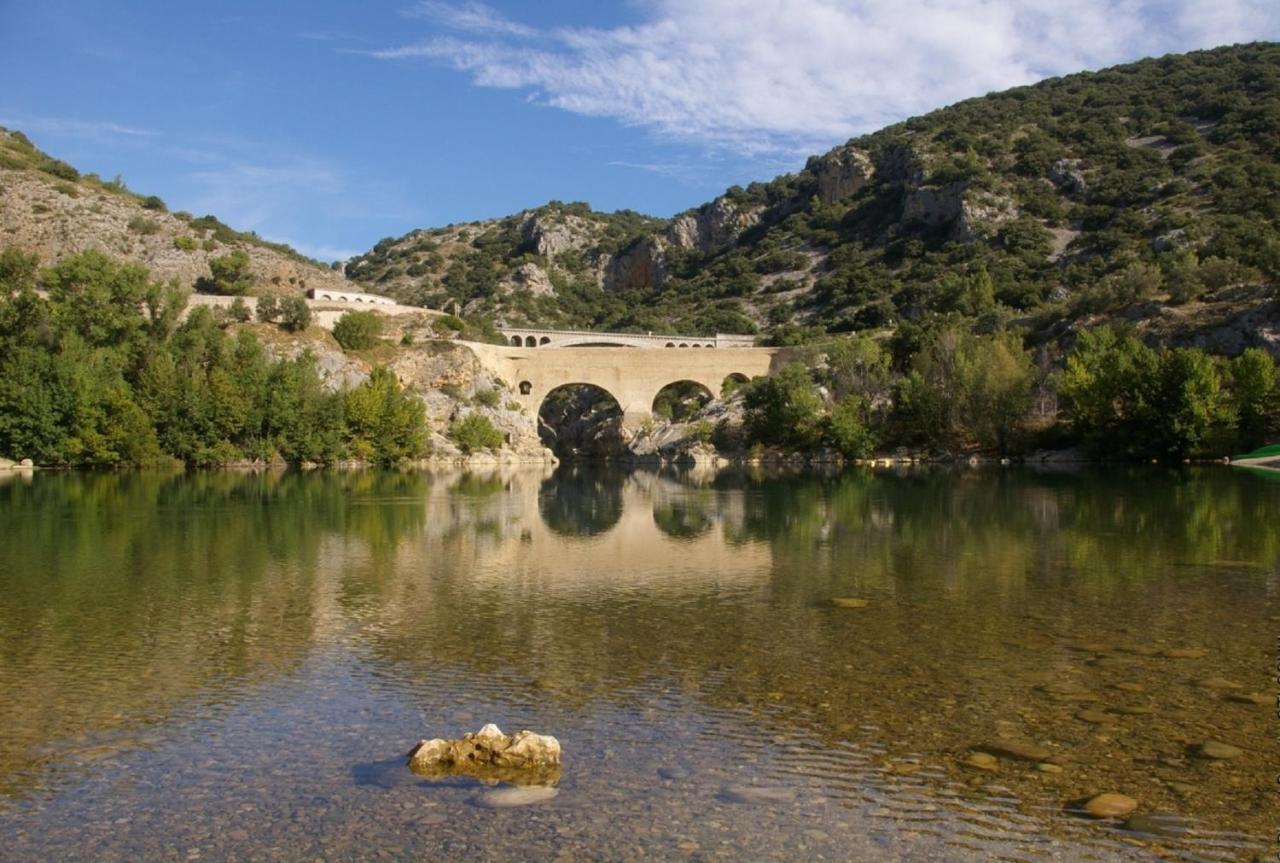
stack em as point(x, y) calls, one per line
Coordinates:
point(530, 338)
point(632, 377)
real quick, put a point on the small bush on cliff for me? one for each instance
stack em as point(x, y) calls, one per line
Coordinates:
point(228, 275)
point(295, 314)
point(358, 331)
point(475, 432)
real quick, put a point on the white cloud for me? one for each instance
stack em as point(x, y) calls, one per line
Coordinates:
point(74, 127)
point(774, 76)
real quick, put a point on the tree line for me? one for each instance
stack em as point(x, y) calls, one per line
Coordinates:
point(953, 390)
point(102, 371)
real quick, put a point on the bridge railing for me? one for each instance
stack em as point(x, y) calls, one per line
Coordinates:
point(720, 340)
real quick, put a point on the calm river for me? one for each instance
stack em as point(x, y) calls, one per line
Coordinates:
point(228, 667)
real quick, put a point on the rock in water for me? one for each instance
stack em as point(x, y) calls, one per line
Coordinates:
point(487, 750)
point(506, 798)
point(1110, 805)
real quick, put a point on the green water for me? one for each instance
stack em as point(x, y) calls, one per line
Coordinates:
point(228, 667)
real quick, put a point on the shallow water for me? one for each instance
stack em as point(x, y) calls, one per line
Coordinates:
point(226, 667)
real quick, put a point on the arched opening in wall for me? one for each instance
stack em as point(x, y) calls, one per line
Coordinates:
point(517, 341)
point(581, 421)
point(545, 340)
point(671, 344)
point(684, 345)
point(530, 342)
point(525, 388)
point(732, 384)
point(680, 400)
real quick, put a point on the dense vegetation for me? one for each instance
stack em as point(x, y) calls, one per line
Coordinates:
point(963, 392)
point(1094, 196)
point(101, 373)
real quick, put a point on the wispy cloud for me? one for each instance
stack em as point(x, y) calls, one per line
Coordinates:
point(792, 76)
point(73, 126)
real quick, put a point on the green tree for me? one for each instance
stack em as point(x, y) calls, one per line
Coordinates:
point(784, 409)
point(229, 275)
point(848, 431)
point(475, 432)
point(295, 314)
point(384, 423)
point(358, 330)
point(268, 308)
point(1255, 387)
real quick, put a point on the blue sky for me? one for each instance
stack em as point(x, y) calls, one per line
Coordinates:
point(329, 125)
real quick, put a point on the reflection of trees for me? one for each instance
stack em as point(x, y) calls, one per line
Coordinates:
point(581, 501)
point(125, 596)
point(684, 517)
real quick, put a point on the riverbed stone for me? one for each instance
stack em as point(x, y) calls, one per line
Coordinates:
point(1218, 683)
point(1217, 751)
point(746, 793)
point(1161, 824)
point(1260, 699)
point(508, 798)
point(981, 761)
point(1185, 653)
point(1093, 717)
point(1015, 750)
point(1047, 767)
point(489, 751)
point(1133, 709)
point(850, 602)
point(1110, 805)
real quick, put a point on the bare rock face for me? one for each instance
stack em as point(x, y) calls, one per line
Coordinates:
point(969, 213)
point(640, 266)
point(491, 755)
point(1067, 175)
point(532, 278)
point(841, 173)
point(712, 226)
point(550, 235)
point(900, 164)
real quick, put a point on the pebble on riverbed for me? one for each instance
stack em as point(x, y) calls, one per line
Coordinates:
point(1110, 805)
point(850, 602)
point(1216, 751)
point(1016, 750)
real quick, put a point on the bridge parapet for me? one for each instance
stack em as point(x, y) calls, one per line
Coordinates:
point(538, 338)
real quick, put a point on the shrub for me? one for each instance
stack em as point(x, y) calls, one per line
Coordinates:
point(153, 202)
point(144, 226)
point(185, 244)
point(238, 310)
point(358, 331)
point(67, 189)
point(228, 275)
point(487, 398)
point(268, 308)
point(475, 432)
point(295, 314)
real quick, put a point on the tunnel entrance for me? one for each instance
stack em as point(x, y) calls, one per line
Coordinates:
point(577, 421)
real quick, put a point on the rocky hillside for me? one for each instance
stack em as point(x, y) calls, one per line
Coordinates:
point(1148, 192)
point(48, 207)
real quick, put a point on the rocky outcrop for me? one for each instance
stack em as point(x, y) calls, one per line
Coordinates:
point(488, 754)
point(901, 165)
point(58, 219)
point(550, 235)
point(971, 214)
point(532, 278)
point(1068, 176)
point(712, 226)
point(841, 173)
point(640, 266)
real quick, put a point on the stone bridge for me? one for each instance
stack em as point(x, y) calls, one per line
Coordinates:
point(633, 377)
point(531, 338)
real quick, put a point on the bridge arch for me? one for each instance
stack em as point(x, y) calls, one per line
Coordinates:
point(679, 399)
point(581, 419)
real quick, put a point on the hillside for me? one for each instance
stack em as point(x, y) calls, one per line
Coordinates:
point(1148, 192)
point(48, 207)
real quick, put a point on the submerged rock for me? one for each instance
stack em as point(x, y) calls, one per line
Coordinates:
point(507, 798)
point(1217, 751)
point(1015, 750)
point(1110, 805)
point(850, 602)
point(490, 754)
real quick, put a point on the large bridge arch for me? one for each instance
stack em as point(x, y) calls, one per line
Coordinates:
point(632, 376)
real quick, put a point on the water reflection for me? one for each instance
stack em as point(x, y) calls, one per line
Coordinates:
point(632, 612)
